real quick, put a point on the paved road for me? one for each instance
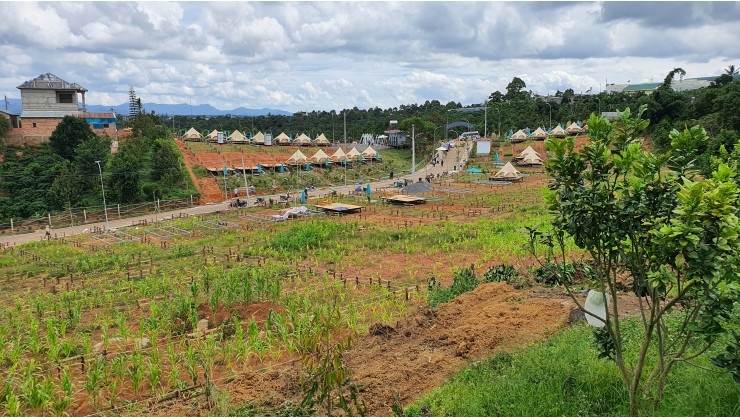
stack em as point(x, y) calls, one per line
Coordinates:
point(450, 159)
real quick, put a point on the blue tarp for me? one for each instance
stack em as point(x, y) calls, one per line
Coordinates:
point(474, 171)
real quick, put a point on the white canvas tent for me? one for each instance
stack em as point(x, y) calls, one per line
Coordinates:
point(303, 140)
point(282, 138)
point(539, 134)
point(237, 137)
point(369, 153)
point(192, 134)
point(519, 136)
point(338, 155)
point(297, 158)
point(507, 173)
point(557, 132)
point(530, 160)
point(213, 136)
point(319, 157)
point(573, 129)
point(258, 138)
point(527, 152)
point(321, 140)
point(353, 154)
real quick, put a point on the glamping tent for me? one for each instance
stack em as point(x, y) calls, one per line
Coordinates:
point(539, 134)
point(320, 157)
point(519, 136)
point(297, 158)
point(527, 152)
point(282, 139)
point(237, 137)
point(369, 153)
point(557, 132)
point(303, 140)
point(258, 138)
point(213, 136)
point(192, 135)
point(353, 154)
point(530, 160)
point(321, 140)
point(573, 129)
point(507, 173)
point(338, 156)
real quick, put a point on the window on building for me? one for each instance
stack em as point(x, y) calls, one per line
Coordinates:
point(33, 125)
point(66, 98)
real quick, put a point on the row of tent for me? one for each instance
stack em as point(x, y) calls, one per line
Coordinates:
point(339, 156)
point(259, 138)
point(540, 134)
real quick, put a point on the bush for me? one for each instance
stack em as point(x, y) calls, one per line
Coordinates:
point(462, 281)
point(499, 273)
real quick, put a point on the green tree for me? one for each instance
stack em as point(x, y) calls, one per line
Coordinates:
point(165, 162)
point(648, 218)
point(514, 90)
point(4, 126)
point(672, 75)
point(66, 188)
point(68, 134)
point(87, 152)
point(125, 178)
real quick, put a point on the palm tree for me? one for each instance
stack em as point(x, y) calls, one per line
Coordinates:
point(731, 71)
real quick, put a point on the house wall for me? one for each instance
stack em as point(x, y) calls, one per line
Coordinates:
point(44, 100)
point(28, 134)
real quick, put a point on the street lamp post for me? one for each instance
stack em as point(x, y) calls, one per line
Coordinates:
point(485, 120)
point(498, 111)
point(548, 104)
point(105, 208)
point(599, 99)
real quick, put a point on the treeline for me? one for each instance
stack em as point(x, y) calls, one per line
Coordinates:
point(66, 172)
point(714, 108)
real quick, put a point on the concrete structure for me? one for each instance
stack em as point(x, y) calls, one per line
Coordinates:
point(46, 100)
point(14, 118)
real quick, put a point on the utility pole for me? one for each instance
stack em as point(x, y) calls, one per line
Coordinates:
point(105, 207)
point(246, 187)
point(413, 151)
point(343, 148)
point(485, 120)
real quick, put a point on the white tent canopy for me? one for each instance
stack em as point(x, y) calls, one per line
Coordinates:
point(369, 153)
point(320, 157)
point(303, 139)
point(519, 135)
point(282, 138)
point(539, 134)
point(297, 157)
point(529, 151)
point(573, 129)
point(192, 134)
point(321, 139)
point(557, 131)
point(353, 154)
point(507, 172)
point(237, 137)
point(531, 160)
point(258, 138)
point(213, 135)
point(338, 155)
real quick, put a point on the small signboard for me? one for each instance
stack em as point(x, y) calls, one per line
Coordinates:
point(268, 139)
point(220, 137)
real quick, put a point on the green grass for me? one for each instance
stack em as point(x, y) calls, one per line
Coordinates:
point(563, 377)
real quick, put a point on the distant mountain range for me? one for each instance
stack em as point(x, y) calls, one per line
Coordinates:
point(14, 106)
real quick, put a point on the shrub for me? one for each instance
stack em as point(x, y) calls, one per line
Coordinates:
point(499, 273)
point(462, 281)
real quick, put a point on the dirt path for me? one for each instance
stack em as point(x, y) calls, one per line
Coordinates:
point(210, 191)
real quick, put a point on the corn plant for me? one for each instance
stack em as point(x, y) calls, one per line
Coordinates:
point(12, 405)
point(191, 364)
point(136, 371)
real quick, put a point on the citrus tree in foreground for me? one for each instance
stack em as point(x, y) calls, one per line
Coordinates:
point(651, 224)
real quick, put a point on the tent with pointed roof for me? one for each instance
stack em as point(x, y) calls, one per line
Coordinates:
point(213, 136)
point(282, 139)
point(297, 158)
point(369, 153)
point(573, 129)
point(258, 138)
point(507, 173)
point(237, 137)
point(338, 155)
point(530, 160)
point(320, 157)
point(528, 151)
point(519, 136)
point(539, 134)
point(557, 132)
point(192, 134)
point(303, 140)
point(353, 154)
point(321, 140)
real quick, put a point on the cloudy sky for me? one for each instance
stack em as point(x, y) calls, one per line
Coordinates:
point(299, 56)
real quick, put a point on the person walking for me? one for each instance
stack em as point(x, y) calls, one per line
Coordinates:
point(47, 233)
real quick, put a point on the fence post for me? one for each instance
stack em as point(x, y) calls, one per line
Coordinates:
point(12, 229)
point(49, 216)
point(84, 214)
point(119, 211)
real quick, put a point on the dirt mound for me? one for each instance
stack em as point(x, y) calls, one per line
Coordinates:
point(424, 350)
